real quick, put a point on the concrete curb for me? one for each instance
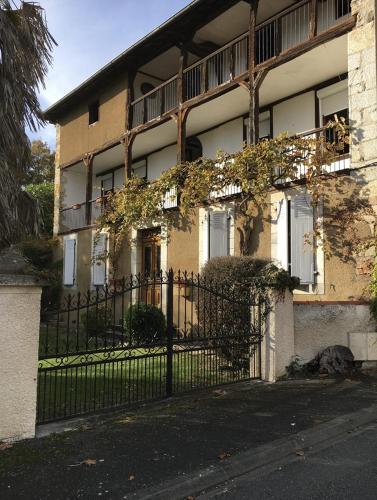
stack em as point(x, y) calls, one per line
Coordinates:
point(266, 455)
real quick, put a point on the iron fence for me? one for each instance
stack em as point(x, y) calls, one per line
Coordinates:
point(144, 338)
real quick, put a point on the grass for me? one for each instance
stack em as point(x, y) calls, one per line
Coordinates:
point(87, 384)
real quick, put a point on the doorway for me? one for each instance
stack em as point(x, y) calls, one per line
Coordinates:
point(151, 264)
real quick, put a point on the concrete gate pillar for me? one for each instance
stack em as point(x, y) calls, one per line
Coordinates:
point(20, 297)
point(278, 346)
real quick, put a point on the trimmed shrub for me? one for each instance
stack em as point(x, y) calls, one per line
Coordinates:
point(240, 281)
point(243, 271)
point(144, 324)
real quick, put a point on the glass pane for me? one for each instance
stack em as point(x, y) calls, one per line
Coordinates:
point(158, 259)
point(147, 260)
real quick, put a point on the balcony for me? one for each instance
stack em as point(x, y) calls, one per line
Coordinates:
point(83, 215)
point(275, 38)
point(341, 163)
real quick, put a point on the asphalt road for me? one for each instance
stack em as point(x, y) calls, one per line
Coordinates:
point(345, 470)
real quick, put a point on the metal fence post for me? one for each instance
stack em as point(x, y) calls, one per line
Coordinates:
point(169, 333)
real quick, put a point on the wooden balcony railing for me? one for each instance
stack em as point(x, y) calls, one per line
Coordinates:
point(82, 215)
point(290, 28)
point(73, 217)
point(341, 163)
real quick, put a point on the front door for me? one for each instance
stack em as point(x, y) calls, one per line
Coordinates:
point(151, 265)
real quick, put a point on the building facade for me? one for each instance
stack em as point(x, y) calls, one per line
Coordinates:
point(214, 77)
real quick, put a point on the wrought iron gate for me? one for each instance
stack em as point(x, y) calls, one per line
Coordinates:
point(112, 346)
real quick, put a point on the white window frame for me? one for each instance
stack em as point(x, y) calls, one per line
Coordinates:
point(278, 200)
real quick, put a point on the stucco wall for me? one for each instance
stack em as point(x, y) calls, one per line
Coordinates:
point(227, 137)
point(161, 161)
point(318, 326)
point(183, 246)
point(295, 115)
point(277, 348)
point(19, 337)
point(78, 137)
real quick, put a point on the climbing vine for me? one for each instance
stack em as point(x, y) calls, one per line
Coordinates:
point(255, 171)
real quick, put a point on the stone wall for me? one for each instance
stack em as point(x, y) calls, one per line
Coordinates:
point(362, 66)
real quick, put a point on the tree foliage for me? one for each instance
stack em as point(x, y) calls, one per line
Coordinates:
point(25, 55)
point(41, 167)
point(44, 195)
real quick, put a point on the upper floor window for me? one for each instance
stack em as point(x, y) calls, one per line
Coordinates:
point(146, 87)
point(93, 112)
point(330, 133)
point(194, 149)
point(139, 169)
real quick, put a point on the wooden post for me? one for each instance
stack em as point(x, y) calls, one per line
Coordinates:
point(128, 142)
point(129, 99)
point(88, 162)
point(182, 114)
point(128, 139)
point(253, 135)
point(313, 22)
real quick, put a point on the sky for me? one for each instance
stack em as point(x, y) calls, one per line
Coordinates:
point(89, 34)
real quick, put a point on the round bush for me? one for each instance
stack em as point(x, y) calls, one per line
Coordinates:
point(240, 281)
point(144, 323)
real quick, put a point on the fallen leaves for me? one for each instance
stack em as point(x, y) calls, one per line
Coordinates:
point(89, 461)
point(5, 446)
point(223, 456)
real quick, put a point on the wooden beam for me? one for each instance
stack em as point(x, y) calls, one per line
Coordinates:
point(332, 33)
point(313, 18)
point(182, 114)
point(88, 162)
point(127, 143)
point(129, 99)
point(253, 132)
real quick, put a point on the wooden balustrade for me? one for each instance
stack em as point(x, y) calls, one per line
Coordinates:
point(279, 34)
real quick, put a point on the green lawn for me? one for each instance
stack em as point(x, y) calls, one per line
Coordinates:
point(89, 384)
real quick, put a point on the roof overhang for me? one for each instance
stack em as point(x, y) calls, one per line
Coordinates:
point(172, 32)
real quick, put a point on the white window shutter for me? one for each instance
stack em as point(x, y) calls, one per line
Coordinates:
point(282, 233)
point(302, 217)
point(205, 239)
point(99, 264)
point(219, 234)
point(69, 262)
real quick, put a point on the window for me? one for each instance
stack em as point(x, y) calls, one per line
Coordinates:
point(99, 266)
point(146, 87)
point(107, 184)
point(342, 7)
point(69, 261)
point(330, 133)
point(295, 224)
point(93, 112)
point(218, 241)
point(194, 149)
point(139, 169)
